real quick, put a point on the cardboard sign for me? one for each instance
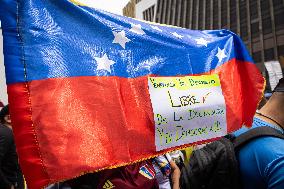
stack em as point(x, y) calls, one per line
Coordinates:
point(187, 109)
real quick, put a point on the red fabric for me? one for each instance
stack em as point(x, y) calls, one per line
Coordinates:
point(243, 87)
point(69, 126)
point(129, 177)
point(25, 137)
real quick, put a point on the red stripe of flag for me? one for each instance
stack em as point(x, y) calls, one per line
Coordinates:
point(90, 123)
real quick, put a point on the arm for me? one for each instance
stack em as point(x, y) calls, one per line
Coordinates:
point(4, 145)
point(175, 175)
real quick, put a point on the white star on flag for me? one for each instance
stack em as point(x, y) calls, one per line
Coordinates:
point(104, 63)
point(136, 28)
point(201, 41)
point(221, 54)
point(120, 38)
point(177, 35)
point(157, 28)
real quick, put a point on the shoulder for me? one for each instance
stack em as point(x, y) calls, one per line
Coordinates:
point(265, 148)
point(5, 129)
point(262, 156)
point(5, 132)
point(261, 162)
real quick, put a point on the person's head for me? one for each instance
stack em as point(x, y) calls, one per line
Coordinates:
point(280, 86)
point(275, 104)
point(277, 96)
point(262, 103)
point(5, 116)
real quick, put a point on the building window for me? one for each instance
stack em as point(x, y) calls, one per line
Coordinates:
point(233, 16)
point(256, 56)
point(215, 14)
point(269, 54)
point(244, 32)
point(187, 20)
point(224, 14)
point(255, 30)
point(137, 1)
point(145, 15)
point(253, 9)
point(181, 23)
point(194, 9)
point(178, 16)
point(208, 15)
point(200, 15)
point(266, 25)
point(279, 20)
point(265, 16)
point(265, 8)
point(277, 4)
point(278, 7)
point(243, 20)
point(280, 50)
point(148, 14)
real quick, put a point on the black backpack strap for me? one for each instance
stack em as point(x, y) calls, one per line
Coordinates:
point(255, 133)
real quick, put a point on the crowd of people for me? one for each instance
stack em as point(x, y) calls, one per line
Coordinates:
point(260, 160)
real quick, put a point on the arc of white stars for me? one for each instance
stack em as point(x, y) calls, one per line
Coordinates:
point(157, 28)
point(136, 28)
point(201, 41)
point(221, 54)
point(120, 38)
point(104, 63)
point(177, 35)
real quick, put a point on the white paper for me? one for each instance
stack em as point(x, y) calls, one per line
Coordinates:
point(187, 109)
point(274, 72)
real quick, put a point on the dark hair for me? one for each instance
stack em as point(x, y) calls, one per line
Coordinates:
point(280, 86)
point(4, 111)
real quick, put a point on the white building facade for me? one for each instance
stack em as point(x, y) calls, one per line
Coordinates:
point(3, 86)
point(146, 10)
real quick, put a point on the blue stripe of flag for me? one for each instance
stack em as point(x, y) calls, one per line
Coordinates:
point(59, 39)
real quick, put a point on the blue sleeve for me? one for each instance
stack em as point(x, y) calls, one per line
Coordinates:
point(275, 174)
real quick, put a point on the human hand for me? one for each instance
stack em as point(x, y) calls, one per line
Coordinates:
point(175, 175)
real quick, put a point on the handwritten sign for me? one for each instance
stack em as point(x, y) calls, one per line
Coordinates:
point(187, 109)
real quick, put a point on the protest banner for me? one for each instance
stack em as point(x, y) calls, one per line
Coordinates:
point(187, 109)
point(84, 87)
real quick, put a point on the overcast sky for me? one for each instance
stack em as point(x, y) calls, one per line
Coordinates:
point(114, 6)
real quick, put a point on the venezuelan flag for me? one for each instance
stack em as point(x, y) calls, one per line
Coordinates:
point(77, 81)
